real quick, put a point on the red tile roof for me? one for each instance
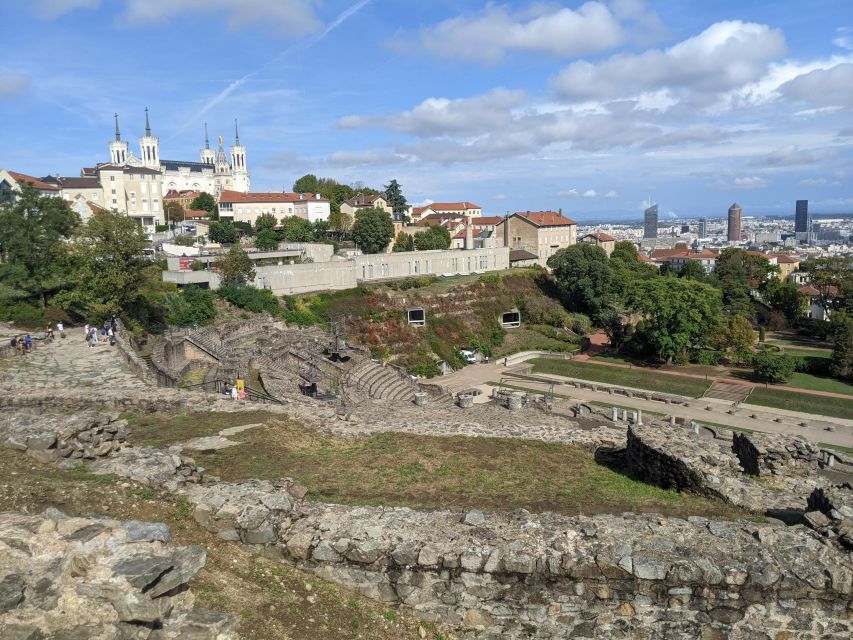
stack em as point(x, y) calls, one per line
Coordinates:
point(364, 200)
point(601, 237)
point(452, 206)
point(196, 213)
point(237, 197)
point(704, 254)
point(545, 218)
point(35, 182)
point(783, 259)
point(486, 221)
point(811, 290)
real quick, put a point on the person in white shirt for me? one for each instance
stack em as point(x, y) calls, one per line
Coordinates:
point(234, 392)
point(61, 328)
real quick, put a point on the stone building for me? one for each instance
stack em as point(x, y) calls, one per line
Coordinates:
point(600, 239)
point(246, 207)
point(542, 233)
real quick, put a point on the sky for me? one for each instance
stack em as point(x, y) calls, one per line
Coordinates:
point(592, 108)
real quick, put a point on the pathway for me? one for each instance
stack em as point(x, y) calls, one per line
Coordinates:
point(766, 419)
point(69, 363)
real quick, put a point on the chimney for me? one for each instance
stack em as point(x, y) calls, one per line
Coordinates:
point(561, 210)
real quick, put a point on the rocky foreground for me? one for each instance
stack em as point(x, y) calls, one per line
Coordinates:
point(81, 578)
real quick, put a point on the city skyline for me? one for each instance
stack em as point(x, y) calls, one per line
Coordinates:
point(584, 107)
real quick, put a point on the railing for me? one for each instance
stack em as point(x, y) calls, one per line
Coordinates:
point(218, 386)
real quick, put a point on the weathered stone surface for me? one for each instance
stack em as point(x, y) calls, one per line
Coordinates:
point(58, 584)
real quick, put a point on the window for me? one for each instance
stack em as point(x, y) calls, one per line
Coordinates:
point(385, 270)
point(112, 178)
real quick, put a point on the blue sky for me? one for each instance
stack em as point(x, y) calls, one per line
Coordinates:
point(588, 107)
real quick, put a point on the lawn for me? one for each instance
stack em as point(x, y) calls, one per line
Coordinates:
point(782, 398)
point(535, 338)
point(636, 378)
point(430, 472)
point(818, 383)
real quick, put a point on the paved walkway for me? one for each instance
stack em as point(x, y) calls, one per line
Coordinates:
point(67, 364)
point(701, 409)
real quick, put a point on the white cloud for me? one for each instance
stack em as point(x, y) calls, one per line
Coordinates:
point(829, 87)
point(589, 193)
point(611, 194)
point(50, 9)
point(13, 85)
point(488, 35)
point(569, 193)
point(724, 56)
point(355, 158)
point(747, 182)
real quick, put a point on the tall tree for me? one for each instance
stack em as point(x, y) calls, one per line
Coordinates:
point(395, 198)
point(404, 242)
point(33, 231)
point(265, 221)
point(841, 329)
point(738, 273)
point(435, 237)
point(833, 278)
point(582, 273)
point(372, 230)
point(206, 202)
point(306, 184)
point(223, 232)
point(108, 266)
point(296, 229)
point(677, 314)
point(692, 270)
point(266, 240)
point(626, 269)
point(784, 297)
point(235, 268)
point(174, 211)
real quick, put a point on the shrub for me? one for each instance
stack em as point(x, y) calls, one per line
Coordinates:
point(193, 306)
point(772, 366)
point(425, 369)
point(184, 241)
point(761, 334)
point(580, 323)
point(251, 299)
point(197, 265)
point(160, 228)
point(24, 314)
point(708, 357)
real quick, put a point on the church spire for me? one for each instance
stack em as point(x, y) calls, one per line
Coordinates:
point(236, 133)
point(118, 133)
point(206, 139)
point(147, 124)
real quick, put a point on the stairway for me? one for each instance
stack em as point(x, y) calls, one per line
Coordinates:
point(730, 391)
point(380, 382)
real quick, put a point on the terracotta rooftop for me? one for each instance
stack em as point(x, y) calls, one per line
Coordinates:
point(601, 236)
point(516, 255)
point(35, 182)
point(196, 213)
point(545, 218)
point(452, 206)
point(364, 200)
point(486, 220)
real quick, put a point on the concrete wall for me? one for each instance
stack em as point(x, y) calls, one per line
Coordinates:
point(420, 263)
point(305, 278)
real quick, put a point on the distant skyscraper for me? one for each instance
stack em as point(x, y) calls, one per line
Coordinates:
point(801, 219)
point(735, 220)
point(650, 222)
point(702, 232)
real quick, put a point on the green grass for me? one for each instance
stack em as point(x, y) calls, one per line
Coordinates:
point(636, 378)
point(440, 472)
point(781, 398)
point(807, 353)
point(818, 383)
point(149, 430)
point(837, 447)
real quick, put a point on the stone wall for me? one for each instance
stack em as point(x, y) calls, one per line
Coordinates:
point(773, 454)
point(124, 347)
point(64, 577)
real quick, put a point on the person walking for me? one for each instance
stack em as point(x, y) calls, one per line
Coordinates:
point(28, 344)
point(49, 332)
point(61, 328)
point(234, 392)
point(92, 338)
point(86, 332)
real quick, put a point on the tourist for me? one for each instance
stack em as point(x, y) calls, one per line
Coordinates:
point(20, 345)
point(92, 337)
point(234, 392)
point(28, 343)
point(61, 328)
point(14, 342)
point(49, 332)
point(111, 337)
point(86, 332)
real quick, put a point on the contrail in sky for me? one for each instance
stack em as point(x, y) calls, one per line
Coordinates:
point(310, 42)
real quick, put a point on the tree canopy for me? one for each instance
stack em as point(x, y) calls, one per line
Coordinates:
point(738, 273)
point(582, 273)
point(174, 211)
point(223, 232)
point(265, 221)
point(372, 230)
point(832, 276)
point(266, 240)
point(235, 268)
point(435, 237)
point(841, 330)
point(296, 229)
point(677, 314)
point(404, 242)
point(206, 202)
point(395, 198)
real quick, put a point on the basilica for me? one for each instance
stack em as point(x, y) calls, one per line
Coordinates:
point(215, 171)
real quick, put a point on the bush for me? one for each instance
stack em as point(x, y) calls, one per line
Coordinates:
point(425, 369)
point(197, 265)
point(24, 314)
point(160, 228)
point(579, 323)
point(193, 306)
point(771, 366)
point(184, 241)
point(251, 299)
point(761, 334)
point(707, 357)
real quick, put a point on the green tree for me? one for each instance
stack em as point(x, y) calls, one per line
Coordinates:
point(626, 251)
point(833, 278)
point(395, 198)
point(613, 326)
point(296, 229)
point(841, 330)
point(206, 202)
point(190, 307)
point(626, 269)
point(372, 230)
point(771, 366)
point(320, 230)
point(784, 297)
point(435, 237)
point(108, 267)
point(307, 184)
point(678, 315)
point(692, 270)
point(235, 268)
point(33, 232)
point(340, 222)
point(174, 211)
point(266, 240)
point(739, 334)
point(404, 242)
point(265, 221)
point(223, 232)
point(738, 273)
point(582, 273)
